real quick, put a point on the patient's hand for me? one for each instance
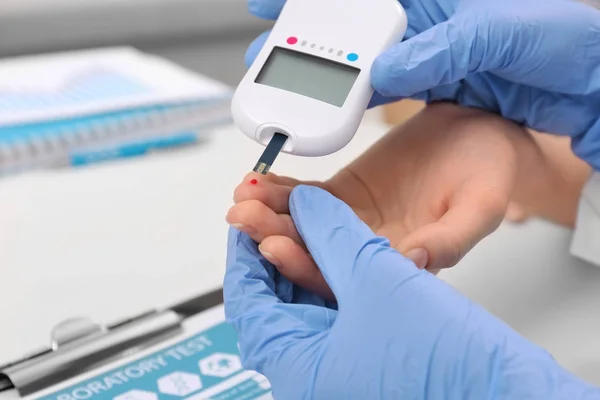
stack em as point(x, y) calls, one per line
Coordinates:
point(434, 186)
point(551, 192)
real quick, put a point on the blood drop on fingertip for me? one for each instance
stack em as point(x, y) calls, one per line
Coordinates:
point(253, 181)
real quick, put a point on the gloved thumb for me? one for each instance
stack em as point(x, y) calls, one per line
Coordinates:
point(344, 248)
point(441, 55)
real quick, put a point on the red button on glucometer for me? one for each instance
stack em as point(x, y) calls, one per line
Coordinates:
point(292, 40)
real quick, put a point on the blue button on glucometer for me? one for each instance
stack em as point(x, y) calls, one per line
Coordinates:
point(352, 57)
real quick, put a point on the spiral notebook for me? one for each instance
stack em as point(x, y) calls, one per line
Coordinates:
point(82, 107)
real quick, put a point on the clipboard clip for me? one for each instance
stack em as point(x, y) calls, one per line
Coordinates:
point(79, 345)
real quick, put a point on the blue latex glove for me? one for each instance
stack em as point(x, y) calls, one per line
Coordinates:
point(398, 332)
point(536, 65)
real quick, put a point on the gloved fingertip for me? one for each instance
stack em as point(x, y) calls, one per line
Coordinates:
point(255, 7)
point(249, 58)
point(320, 216)
point(266, 9)
point(391, 72)
point(301, 192)
point(381, 76)
point(434, 57)
point(254, 48)
point(378, 99)
point(311, 201)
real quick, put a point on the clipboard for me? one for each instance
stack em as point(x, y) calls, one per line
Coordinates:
point(186, 351)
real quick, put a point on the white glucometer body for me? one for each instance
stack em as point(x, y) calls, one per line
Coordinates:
point(311, 79)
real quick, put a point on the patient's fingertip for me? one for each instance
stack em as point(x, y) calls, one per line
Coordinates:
point(269, 176)
point(284, 252)
point(243, 211)
point(230, 216)
point(431, 247)
point(248, 192)
point(447, 257)
point(515, 213)
point(249, 176)
point(234, 221)
point(269, 256)
point(419, 256)
point(241, 193)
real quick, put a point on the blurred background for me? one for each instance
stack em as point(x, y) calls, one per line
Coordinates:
point(210, 36)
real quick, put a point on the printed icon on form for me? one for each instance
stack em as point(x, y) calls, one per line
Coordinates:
point(220, 365)
point(179, 383)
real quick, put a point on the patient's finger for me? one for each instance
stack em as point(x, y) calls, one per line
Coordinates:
point(259, 221)
point(287, 181)
point(262, 188)
point(516, 213)
point(293, 262)
point(473, 215)
point(271, 177)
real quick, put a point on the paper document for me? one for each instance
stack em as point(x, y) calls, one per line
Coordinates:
point(84, 107)
point(64, 85)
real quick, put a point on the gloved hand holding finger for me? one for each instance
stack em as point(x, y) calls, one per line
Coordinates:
point(256, 304)
point(280, 243)
point(359, 350)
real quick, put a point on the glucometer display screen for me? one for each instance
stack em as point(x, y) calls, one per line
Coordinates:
point(308, 75)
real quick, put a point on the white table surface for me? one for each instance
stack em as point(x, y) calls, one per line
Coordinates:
point(116, 239)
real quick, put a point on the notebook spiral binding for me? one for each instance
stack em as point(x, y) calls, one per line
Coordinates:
point(51, 144)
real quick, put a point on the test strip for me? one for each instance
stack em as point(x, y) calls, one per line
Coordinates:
point(271, 152)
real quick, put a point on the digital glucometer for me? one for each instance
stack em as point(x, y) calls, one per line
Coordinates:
point(309, 87)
